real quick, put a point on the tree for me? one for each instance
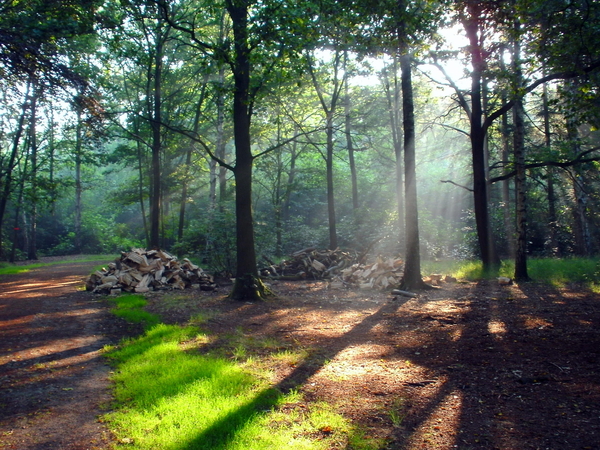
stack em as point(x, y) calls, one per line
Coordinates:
point(262, 38)
point(329, 109)
point(519, 156)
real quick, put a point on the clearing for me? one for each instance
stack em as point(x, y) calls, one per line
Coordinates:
point(467, 366)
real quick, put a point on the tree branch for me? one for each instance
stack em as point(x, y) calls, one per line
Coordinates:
point(563, 165)
point(456, 184)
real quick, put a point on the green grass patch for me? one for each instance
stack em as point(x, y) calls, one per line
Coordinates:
point(173, 393)
point(553, 271)
point(130, 307)
point(170, 397)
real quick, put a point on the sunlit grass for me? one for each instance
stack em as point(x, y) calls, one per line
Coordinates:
point(12, 269)
point(463, 270)
point(171, 398)
point(553, 271)
point(171, 394)
point(130, 308)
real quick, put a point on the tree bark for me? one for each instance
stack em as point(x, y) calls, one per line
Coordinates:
point(6, 178)
point(248, 285)
point(78, 183)
point(330, 192)
point(329, 110)
point(156, 126)
point(477, 136)
point(581, 229)
point(411, 278)
point(348, 132)
point(506, 201)
point(33, 145)
point(519, 154)
point(552, 216)
point(393, 100)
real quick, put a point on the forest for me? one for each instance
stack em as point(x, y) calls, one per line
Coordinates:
point(236, 130)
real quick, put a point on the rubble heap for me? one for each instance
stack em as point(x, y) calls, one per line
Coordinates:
point(309, 263)
point(341, 268)
point(141, 271)
point(382, 274)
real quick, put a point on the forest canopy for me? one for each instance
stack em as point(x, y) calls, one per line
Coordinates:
point(233, 130)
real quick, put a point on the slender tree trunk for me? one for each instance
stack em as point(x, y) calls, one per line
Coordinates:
point(348, 132)
point(220, 147)
point(411, 278)
point(291, 179)
point(188, 161)
point(7, 176)
point(393, 100)
point(248, 285)
point(140, 160)
point(487, 251)
point(184, 193)
point(519, 153)
point(278, 201)
point(18, 230)
point(78, 184)
point(33, 145)
point(506, 202)
point(329, 110)
point(330, 191)
point(155, 124)
point(552, 216)
point(583, 241)
point(51, 161)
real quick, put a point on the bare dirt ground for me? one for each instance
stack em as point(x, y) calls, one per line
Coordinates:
point(53, 381)
point(466, 366)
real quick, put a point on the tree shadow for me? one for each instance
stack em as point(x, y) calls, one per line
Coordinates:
point(523, 371)
point(221, 433)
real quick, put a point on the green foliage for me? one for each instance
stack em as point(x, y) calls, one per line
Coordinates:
point(211, 240)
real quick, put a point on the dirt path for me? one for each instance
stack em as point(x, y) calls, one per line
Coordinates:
point(53, 381)
point(468, 366)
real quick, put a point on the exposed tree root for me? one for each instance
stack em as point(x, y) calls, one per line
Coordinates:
point(249, 288)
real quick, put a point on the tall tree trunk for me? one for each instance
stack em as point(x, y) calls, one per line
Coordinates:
point(156, 126)
point(506, 202)
point(278, 199)
point(330, 192)
point(78, 183)
point(188, 160)
point(141, 196)
point(33, 145)
point(248, 285)
point(6, 178)
point(348, 132)
point(552, 216)
point(291, 179)
point(393, 100)
point(519, 153)
point(581, 229)
point(329, 110)
point(411, 278)
point(184, 193)
point(477, 136)
point(51, 161)
point(20, 230)
point(220, 149)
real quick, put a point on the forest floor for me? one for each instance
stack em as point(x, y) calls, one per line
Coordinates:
point(466, 366)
